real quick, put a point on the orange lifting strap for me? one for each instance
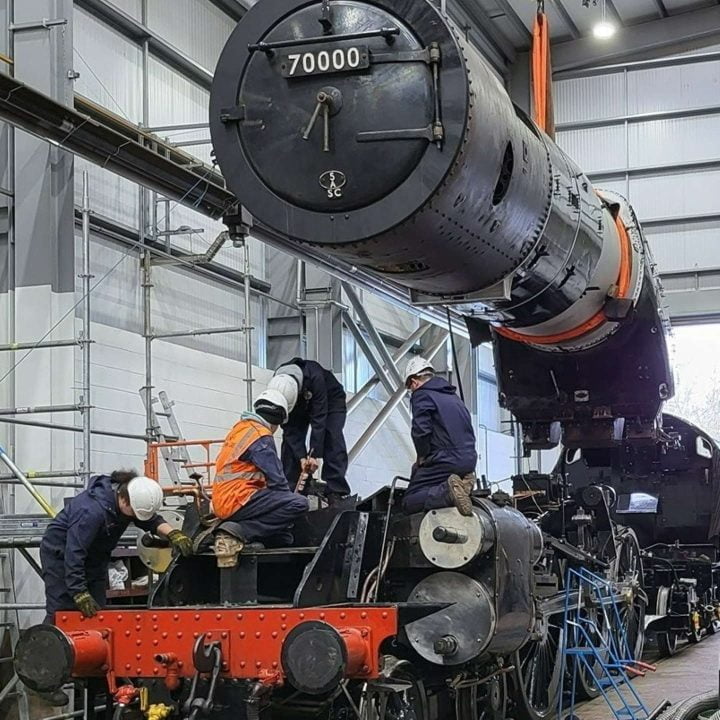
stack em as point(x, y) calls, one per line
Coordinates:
point(541, 70)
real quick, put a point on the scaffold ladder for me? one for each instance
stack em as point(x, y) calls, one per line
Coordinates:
point(11, 623)
point(175, 458)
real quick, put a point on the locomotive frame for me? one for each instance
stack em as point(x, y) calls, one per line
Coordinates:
point(379, 615)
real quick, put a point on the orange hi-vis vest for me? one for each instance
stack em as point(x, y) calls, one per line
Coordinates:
point(236, 481)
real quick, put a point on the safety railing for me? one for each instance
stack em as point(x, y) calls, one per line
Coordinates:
point(204, 466)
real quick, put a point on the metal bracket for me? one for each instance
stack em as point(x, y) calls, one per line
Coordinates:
point(325, 19)
point(499, 291)
point(401, 56)
point(44, 24)
point(234, 114)
point(435, 132)
point(354, 555)
point(207, 658)
point(425, 133)
point(388, 33)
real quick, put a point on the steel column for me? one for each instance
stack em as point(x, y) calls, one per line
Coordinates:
point(373, 333)
point(248, 326)
point(387, 410)
point(147, 334)
point(377, 366)
point(401, 352)
point(85, 341)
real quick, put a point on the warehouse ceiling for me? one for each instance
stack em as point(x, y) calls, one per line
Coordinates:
point(646, 28)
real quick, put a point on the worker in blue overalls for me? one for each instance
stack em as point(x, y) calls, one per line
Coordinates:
point(444, 440)
point(76, 549)
point(316, 401)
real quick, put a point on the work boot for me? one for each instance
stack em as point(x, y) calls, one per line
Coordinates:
point(470, 482)
point(459, 495)
point(227, 548)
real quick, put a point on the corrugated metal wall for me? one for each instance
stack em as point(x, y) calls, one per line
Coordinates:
point(668, 167)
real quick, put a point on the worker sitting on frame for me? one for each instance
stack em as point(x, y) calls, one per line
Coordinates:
point(250, 494)
point(442, 432)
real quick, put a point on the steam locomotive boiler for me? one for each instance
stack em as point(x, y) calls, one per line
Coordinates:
point(371, 130)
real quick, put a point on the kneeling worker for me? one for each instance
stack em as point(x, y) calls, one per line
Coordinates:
point(76, 549)
point(442, 432)
point(250, 488)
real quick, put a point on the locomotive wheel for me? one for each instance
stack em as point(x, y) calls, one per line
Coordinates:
point(487, 701)
point(538, 670)
point(667, 643)
point(628, 570)
point(408, 703)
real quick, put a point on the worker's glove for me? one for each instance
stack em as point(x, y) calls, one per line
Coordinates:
point(86, 604)
point(309, 465)
point(181, 542)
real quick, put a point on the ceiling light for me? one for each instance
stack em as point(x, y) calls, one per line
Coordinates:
point(603, 30)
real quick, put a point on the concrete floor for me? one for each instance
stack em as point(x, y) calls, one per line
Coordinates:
point(692, 670)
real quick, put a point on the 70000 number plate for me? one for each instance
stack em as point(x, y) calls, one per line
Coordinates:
point(322, 62)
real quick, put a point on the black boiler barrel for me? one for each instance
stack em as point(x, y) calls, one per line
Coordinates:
point(373, 131)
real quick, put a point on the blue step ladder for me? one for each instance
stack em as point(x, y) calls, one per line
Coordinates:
point(595, 642)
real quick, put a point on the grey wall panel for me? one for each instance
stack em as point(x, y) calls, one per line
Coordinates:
point(676, 140)
point(682, 247)
point(180, 301)
point(618, 186)
point(131, 7)
point(173, 100)
point(672, 88)
point(595, 149)
point(675, 195)
point(197, 27)
point(590, 98)
point(110, 67)
point(110, 195)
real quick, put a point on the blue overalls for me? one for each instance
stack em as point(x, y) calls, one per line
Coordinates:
point(444, 440)
point(76, 548)
point(321, 408)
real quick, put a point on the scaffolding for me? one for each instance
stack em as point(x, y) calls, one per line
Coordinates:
point(154, 248)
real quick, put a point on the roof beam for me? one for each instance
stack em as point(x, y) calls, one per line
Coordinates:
point(661, 8)
point(474, 18)
point(515, 20)
point(565, 15)
point(160, 48)
point(678, 33)
point(233, 8)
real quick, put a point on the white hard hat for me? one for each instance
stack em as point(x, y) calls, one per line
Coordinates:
point(288, 386)
point(417, 366)
point(272, 405)
point(146, 497)
point(294, 371)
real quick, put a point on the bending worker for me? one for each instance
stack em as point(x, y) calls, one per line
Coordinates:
point(442, 432)
point(76, 549)
point(316, 401)
point(250, 488)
